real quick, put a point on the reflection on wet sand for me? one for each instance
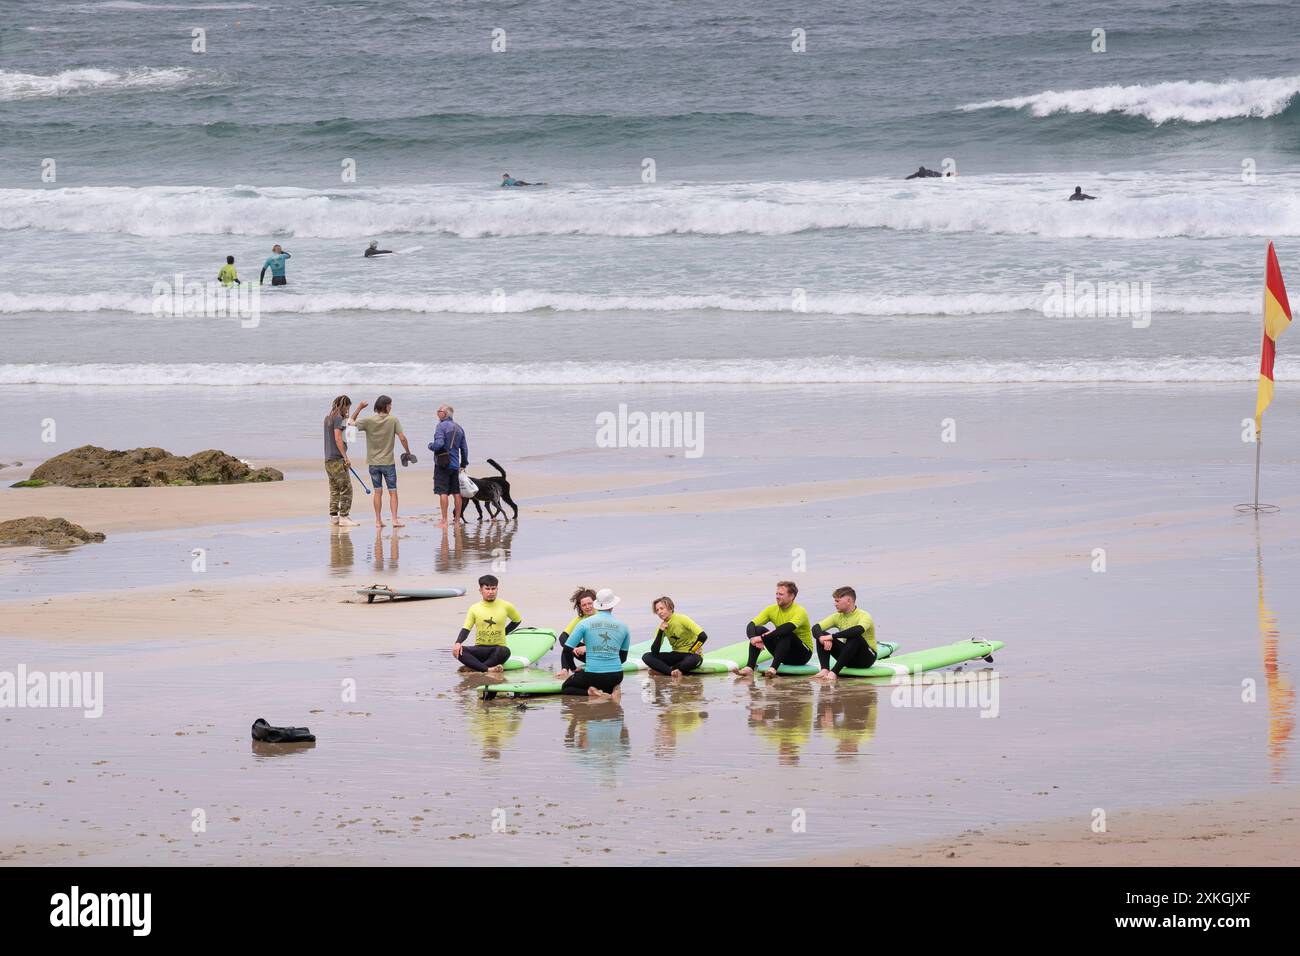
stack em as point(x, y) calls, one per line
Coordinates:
point(781, 715)
point(340, 551)
point(264, 749)
point(679, 709)
point(484, 543)
point(596, 733)
point(377, 550)
point(494, 726)
point(1279, 691)
point(846, 713)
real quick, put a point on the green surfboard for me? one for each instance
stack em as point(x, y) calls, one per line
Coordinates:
point(913, 663)
point(725, 660)
point(410, 594)
point(527, 646)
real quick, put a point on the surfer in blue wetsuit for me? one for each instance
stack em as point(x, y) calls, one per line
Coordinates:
point(508, 180)
point(275, 262)
point(1079, 194)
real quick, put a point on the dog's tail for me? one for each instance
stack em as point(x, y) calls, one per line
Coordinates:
point(493, 463)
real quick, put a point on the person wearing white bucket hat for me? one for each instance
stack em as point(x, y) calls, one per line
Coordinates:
point(607, 641)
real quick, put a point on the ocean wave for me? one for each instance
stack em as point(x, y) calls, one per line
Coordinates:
point(1138, 207)
point(525, 301)
point(28, 86)
point(1186, 100)
point(134, 6)
point(792, 371)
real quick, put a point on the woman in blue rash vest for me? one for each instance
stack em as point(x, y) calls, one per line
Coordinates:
point(607, 641)
point(584, 603)
point(685, 641)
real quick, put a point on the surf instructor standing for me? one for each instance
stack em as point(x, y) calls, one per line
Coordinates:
point(275, 262)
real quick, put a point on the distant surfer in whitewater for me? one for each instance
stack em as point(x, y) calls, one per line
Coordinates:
point(508, 180)
point(374, 250)
point(923, 173)
point(1079, 194)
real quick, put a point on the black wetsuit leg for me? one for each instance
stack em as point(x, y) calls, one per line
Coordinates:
point(669, 661)
point(568, 661)
point(579, 682)
point(855, 652)
point(787, 649)
point(480, 657)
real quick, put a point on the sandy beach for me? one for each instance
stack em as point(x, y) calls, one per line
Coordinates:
point(1123, 689)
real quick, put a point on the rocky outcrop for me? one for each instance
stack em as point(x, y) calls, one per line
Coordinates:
point(93, 467)
point(45, 533)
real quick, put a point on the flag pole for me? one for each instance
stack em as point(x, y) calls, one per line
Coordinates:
point(1256, 507)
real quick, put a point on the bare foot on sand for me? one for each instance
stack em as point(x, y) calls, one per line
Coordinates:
point(744, 672)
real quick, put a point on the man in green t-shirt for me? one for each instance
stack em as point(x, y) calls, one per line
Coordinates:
point(790, 640)
point(382, 429)
point(849, 635)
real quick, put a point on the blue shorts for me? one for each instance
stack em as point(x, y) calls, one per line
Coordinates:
point(446, 481)
point(381, 473)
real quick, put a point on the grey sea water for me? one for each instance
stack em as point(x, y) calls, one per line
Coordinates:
point(777, 205)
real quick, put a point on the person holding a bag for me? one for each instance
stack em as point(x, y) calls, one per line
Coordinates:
point(450, 455)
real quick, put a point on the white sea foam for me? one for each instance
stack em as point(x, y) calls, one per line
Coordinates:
point(1185, 100)
point(1129, 207)
point(840, 303)
point(792, 371)
point(28, 86)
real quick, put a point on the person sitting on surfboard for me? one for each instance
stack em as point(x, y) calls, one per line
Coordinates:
point(685, 637)
point(789, 642)
point(607, 641)
point(491, 619)
point(853, 643)
point(584, 602)
point(374, 250)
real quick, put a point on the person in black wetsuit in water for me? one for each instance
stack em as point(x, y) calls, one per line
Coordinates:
point(1079, 194)
point(923, 173)
point(374, 250)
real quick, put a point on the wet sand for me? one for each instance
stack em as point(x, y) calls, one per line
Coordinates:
point(1122, 689)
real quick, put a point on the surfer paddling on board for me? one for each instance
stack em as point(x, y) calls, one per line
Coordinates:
point(607, 641)
point(685, 641)
point(374, 250)
point(790, 640)
point(584, 603)
point(1079, 195)
point(853, 640)
point(491, 619)
point(508, 180)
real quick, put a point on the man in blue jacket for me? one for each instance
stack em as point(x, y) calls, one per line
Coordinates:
point(450, 455)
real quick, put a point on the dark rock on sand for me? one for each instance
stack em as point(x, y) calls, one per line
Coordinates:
point(45, 532)
point(93, 467)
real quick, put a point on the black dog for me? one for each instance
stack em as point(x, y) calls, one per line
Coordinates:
point(491, 492)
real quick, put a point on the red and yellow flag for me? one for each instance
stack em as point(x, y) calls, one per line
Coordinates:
point(1277, 316)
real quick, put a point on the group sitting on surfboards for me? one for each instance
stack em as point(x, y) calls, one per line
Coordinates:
point(602, 642)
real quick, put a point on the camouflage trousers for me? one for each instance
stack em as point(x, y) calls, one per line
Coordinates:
point(340, 487)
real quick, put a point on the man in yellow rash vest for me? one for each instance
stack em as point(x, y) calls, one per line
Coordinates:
point(491, 619)
point(790, 641)
point(853, 643)
point(685, 638)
